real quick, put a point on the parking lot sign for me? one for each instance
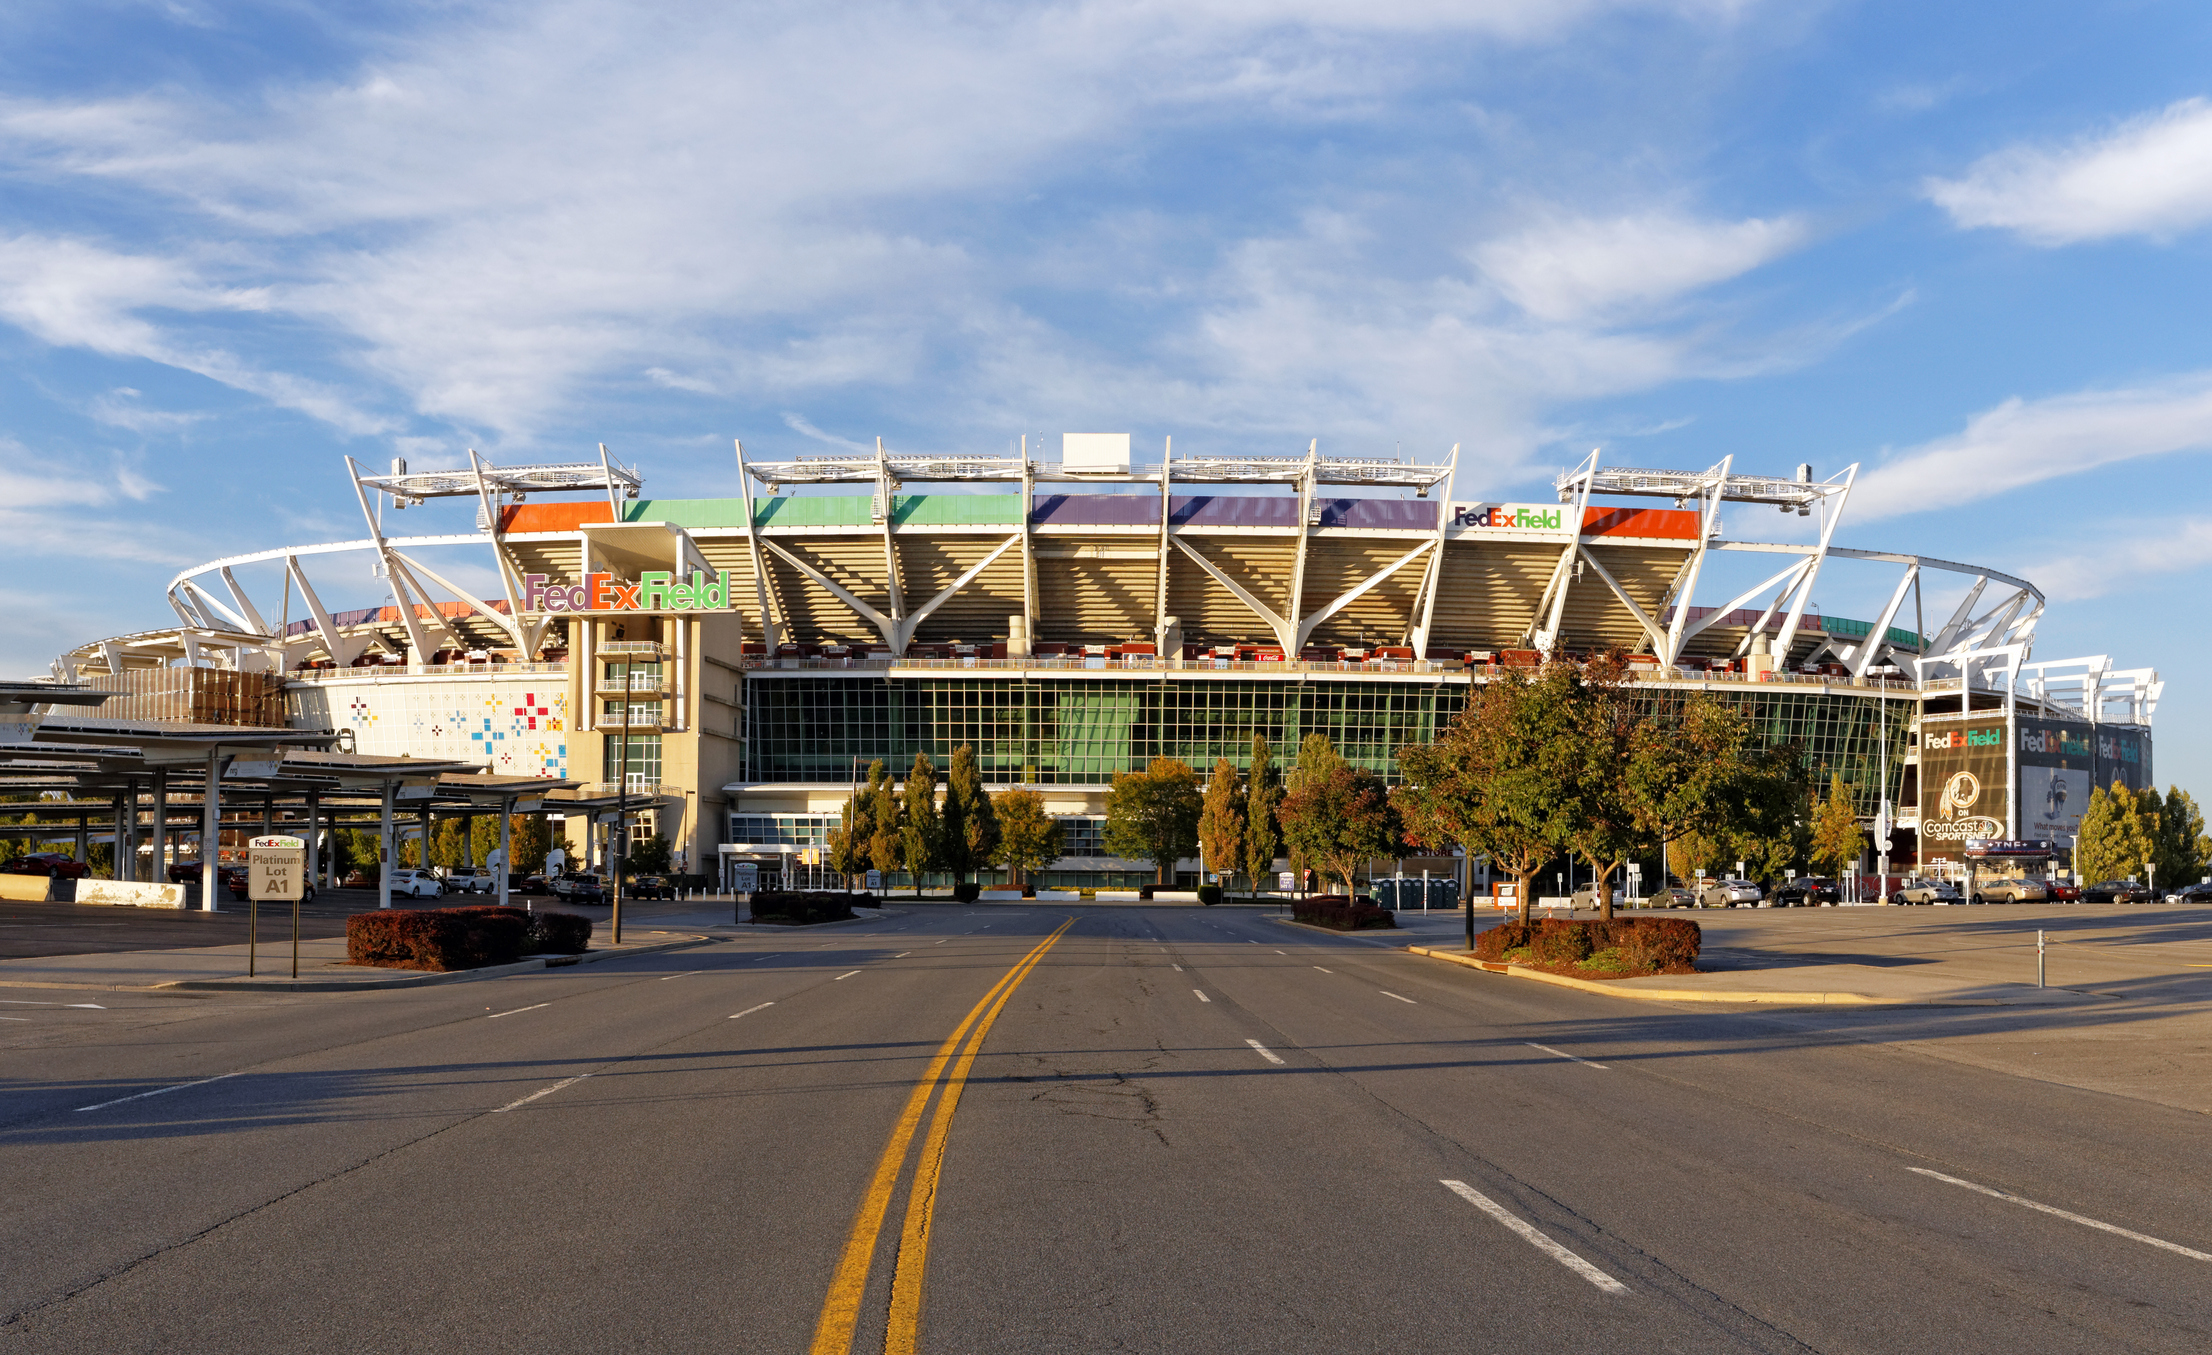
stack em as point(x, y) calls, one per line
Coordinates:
point(276, 868)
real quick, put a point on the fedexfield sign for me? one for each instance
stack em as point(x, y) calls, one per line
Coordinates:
point(654, 591)
point(1520, 517)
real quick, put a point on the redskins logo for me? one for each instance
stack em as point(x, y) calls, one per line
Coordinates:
point(1960, 793)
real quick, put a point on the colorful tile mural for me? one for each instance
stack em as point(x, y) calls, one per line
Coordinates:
point(515, 727)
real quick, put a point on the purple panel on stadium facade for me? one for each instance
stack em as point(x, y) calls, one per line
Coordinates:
point(1235, 510)
point(1380, 515)
point(1095, 510)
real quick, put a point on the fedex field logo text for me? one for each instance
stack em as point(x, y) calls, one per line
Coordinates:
point(1526, 517)
point(654, 591)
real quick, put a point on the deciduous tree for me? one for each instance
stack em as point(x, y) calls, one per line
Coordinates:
point(922, 825)
point(1837, 839)
point(2182, 842)
point(1502, 780)
point(1262, 837)
point(1221, 823)
point(1028, 838)
point(1338, 818)
point(970, 828)
point(1153, 815)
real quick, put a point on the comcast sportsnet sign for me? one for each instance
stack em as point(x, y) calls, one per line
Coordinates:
point(654, 591)
point(1511, 517)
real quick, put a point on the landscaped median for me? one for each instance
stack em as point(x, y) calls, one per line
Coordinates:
point(1623, 957)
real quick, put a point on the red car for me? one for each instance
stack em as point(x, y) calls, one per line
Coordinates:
point(2063, 891)
point(52, 865)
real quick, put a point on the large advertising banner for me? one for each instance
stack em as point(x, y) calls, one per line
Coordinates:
point(2057, 772)
point(1962, 784)
point(2123, 755)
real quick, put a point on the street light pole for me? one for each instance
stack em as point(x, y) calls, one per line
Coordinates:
point(620, 846)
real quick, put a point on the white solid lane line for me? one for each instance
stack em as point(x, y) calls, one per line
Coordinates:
point(1407, 1000)
point(1201, 996)
point(158, 1091)
point(26, 1002)
point(846, 975)
point(1529, 1233)
point(1270, 1055)
point(685, 975)
point(1325, 971)
point(750, 1010)
point(1282, 952)
point(531, 1008)
point(902, 954)
point(1561, 1053)
point(1174, 966)
point(14, 1018)
point(546, 1091)
point(2071, 1217)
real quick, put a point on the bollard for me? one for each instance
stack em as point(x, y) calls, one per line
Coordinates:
point(2039, 957)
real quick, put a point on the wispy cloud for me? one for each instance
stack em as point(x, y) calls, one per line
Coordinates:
point(2123, 563)
point(2025, 442)
point(799, 423)
point(761, 203)
point(2151, 175)
point(1578, 268)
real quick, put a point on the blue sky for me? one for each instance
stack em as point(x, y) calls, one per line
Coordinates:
point(1966, 246)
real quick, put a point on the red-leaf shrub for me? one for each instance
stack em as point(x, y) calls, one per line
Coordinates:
point(434, 939)
point(544, 932)
point(1659, 945)
point(1341, 913)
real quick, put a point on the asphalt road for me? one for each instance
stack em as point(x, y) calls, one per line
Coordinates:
point(1186, 1130)
point(36, 929)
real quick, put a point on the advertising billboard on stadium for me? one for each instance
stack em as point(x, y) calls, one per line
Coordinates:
point(2057, 772)
point(1963, 785)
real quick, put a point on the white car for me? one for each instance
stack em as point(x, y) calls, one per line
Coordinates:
point(416, 884)
point(1728, 894)
point(469, 879)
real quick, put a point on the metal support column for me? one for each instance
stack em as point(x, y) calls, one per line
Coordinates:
point(385, 849)
point(211, 830)
point(160, 867)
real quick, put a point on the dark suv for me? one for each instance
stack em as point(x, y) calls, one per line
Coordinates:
point(578, 889)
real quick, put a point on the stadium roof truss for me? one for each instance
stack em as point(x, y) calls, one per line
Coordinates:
point(870, 570)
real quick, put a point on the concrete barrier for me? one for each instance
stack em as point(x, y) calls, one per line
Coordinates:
point(26, 888)
point(130, 895)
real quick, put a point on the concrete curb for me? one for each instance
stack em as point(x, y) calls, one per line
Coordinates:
point(1341, 936)
point(368, 983)
point(1750, 997)
point(881, 914)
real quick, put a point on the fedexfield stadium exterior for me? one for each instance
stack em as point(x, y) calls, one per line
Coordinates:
point(736, 661)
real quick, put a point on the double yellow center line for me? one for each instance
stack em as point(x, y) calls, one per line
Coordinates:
point(833, 1333)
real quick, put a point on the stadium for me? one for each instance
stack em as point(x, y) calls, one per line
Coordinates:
point(733, 664)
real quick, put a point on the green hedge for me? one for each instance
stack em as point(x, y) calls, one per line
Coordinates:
point(1662, 945)
point(1341, 912)
point(793, 908)
point(444, 939)
point(1209, 894)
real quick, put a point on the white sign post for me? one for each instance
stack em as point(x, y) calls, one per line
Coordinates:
point(276, 869)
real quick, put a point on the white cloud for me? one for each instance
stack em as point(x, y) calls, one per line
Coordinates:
point(1574, 269)
point(495, 214)
point(799, 423)
point(120, 408)
point(2149, 176)
point(2120, 564)
point(2025, 442)
point(74, 294)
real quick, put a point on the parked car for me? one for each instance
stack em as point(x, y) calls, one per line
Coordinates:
point(2063, 891)
point(52, 865)
point(657, 887)
point(470, 879)
point(1673, 896)
point(184, 872)
point(416, 884)
point(1728, 894)
point(2025, 890)
point(1926, 891)
point(578, 888)
point(2196, 893)
point(1810, 892)
point(2115, 891)
point(359, 879)
point(526, 884)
